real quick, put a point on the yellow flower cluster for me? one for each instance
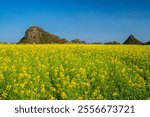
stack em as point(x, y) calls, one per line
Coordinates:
point(68, 71)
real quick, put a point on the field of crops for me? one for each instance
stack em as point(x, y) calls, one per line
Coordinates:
point(74, 72)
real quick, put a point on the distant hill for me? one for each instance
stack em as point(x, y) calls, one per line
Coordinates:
point(132, 40)
point(3, 42)
point(112, 43)
point(77, 41)
point(147, 43)
point(39, 36)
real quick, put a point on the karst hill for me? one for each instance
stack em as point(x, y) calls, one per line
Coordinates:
point(132, 40)
point(36, 35)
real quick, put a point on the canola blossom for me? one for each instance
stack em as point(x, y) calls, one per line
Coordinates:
point(74, 72)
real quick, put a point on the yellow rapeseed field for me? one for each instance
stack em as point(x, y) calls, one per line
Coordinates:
point(68, 71)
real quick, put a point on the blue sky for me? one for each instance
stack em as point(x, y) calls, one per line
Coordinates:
point(88, 20)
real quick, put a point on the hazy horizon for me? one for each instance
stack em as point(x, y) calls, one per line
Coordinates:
point(88, 20)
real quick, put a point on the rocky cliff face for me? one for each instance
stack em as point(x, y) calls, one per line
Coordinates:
point(132, 40)
point(38, 36)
